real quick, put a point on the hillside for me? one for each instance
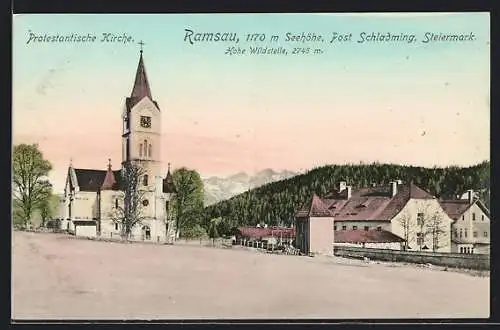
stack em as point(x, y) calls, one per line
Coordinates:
point(275, 203)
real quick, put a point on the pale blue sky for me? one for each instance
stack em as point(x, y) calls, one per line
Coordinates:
point(223, 114)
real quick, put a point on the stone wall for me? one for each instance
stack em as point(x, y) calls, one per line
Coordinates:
point(456, 260)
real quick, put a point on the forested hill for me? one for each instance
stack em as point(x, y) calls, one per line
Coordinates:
point(276, 203)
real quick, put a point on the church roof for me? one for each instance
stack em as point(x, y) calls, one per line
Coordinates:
point(141, 87)
point(168, 183)
point(141, 84)
point(109, 182)
point(92, 180)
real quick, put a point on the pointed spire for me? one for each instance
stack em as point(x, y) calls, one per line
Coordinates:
point(109, 180)
point(71, 162)
point(141, 84)
point(168, 183)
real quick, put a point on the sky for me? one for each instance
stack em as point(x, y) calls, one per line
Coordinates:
point(425, 104)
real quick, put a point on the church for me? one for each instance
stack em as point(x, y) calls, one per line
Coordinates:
point(92, 195)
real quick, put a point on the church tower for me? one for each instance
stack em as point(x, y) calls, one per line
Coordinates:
point(141, 138)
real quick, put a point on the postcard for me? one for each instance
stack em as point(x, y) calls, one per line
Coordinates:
point(303, 166)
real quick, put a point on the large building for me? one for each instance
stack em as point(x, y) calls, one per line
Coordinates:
point(404, 216)
point(471, 229)
point(92, 197)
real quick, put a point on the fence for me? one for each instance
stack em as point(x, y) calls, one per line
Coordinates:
point(456, 260)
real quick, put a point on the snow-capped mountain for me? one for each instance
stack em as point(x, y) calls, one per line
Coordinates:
point(221, 188)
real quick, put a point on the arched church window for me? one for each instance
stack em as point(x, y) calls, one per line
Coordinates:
point(145, 148)
point(150, 152)
point(116, 203)
point(145, 180)
point(140, 150)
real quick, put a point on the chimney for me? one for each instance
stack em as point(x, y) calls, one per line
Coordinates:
point(342, 186)
point(470, 195)
point(394, 188)
point(349, 192)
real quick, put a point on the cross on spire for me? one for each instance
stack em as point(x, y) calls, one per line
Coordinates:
point(141, 43)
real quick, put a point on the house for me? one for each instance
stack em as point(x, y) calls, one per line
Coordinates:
point(314, 228)
point(369, 238)
point(96, 195)
point(405, 210)
point(264, 236)
point(471, 227)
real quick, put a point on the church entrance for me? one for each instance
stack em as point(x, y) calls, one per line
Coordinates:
point(146, 233)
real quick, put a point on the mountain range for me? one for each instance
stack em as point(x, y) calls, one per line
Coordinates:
point(220, 188)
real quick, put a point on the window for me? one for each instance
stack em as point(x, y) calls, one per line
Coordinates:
point(420, 238)
point(463, 217)
point(420, 219)
point(485, 234)
point(473, 216)
point(461, 250)
point(145, 180)
point(465, 233)
point(354, 227)
point(474, 234)
point(379, 228)
point(456, 233)
point(460, 232)
point(145, 148)
point(366, 228)
point(116, 203)
point(334, 227)
point(344, 227)
point(482, 217)
point(140, 150)
point(150, 152)
point(116, 226)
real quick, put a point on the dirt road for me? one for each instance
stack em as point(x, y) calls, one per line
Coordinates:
point(59, 278)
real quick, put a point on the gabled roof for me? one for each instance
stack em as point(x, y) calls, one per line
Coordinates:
point(366, 236)
point(92, 180)
point(373, 203)
point(314, 208)
point(455, 208)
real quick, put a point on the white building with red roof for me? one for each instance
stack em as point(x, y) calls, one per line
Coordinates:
point(404, 210)
point(471, 227)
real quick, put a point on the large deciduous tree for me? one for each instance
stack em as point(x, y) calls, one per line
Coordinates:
point(30, 185)
point(437, 229)
point(130, 213)
point(408, 227)
point(188, 203)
